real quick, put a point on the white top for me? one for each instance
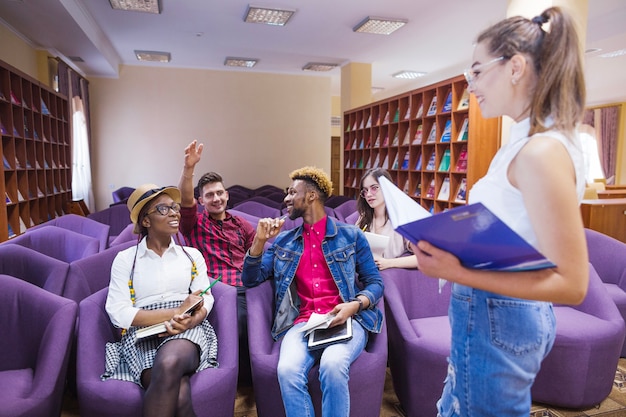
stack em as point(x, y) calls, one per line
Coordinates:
point(397, 245)
point(496, 192)
point(155, 279)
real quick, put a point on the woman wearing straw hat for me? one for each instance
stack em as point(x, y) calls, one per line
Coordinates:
point(155, 282)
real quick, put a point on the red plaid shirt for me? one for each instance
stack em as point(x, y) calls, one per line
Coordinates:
point(223, 243)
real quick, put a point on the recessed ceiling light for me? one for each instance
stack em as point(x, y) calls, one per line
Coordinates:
point(240, 62)
point(408, 75)
point(147, 6)
point(614, 54)
point(319, 66)
point(269, 16)
point(379, 25)
point(153, 56)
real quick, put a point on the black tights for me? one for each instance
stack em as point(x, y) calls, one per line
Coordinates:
point(168, 389)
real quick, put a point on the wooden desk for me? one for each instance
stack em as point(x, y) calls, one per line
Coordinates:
point(606, 216)
point(615, 186)
point(613, 193)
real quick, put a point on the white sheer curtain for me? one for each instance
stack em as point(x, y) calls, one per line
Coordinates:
point(81, 164)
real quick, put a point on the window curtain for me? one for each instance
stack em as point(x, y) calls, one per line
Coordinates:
point(76, 88)
point(609, 117)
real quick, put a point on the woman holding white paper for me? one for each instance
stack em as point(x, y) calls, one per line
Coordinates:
point(373, 218)
point(530, 70)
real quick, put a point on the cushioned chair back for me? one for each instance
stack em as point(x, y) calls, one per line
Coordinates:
point(253, 220)
point(608, 256)
point(34, 358)
point(86, 226)
point(345, 209)
point(34, 267)
point(267, 189)
point(89, 275)
point(257, 209)
point(62, 244)
point(352, 218)
point(263, 200)
point(122, 194)
point(116, 216)
point(337, 200)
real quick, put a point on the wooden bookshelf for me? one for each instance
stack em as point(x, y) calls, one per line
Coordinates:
point(416, 148)
point(36, 151)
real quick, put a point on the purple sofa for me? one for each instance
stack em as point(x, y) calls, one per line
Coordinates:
point(80, 224)
point(34, 359)
point(117, 217)
point(57, 242)
point(367, 373)
point(578, 372)
point(213, 390)
point(257, 209)
point(608, 256)
point(34, 267)
point(344, 210)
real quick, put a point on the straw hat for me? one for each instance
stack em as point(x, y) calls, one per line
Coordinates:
point(146, 192)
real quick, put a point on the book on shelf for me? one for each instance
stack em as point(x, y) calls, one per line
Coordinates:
point(15, 100)
point(2, 97)
point(462, 191)
point(406, 186)
point(405, 138)
point(461, 163)
point(407, 114)
point(377, 142)
point(362, 124)
point(430, 192)
point(395, 163)
point(420, 111)
point(447, 105)
point(354, 144)
point(17, 163)
point(472, 233)
point(462, 136)
point(368, 162)
point(430, 166)
point(347, 162)
point(354, 182)
point(447, 131)
point(386, 141)
point(7, 199)
point(362, 143)
point(432, 135)
point(418, 164)
point(396, 117)
point(432, 109)
point(22, 226)
point(5, 162)
point(464, 101)
point(20, 197)
point(369, 121)
point(444, 165)
point(376, 162)
point(405, 162)
point(418, 135)
point(444, 191)
point(396, 139)
point(418, 190)
point(3, 130)
point(10, 231)
point(386, 162)
point(25, 105)
point(385, 119)
point(40, 193)
point(360, 166)
point(44, 108)
point(15, 132)
point(37, 165)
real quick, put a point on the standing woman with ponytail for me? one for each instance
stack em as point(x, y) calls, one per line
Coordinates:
point(502, 322)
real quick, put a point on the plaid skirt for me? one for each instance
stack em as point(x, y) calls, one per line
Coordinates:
point(128, 358)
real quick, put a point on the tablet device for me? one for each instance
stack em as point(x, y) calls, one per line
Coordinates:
point(319, 339)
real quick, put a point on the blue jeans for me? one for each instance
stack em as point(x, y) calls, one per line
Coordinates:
point(296, 360)
point(498, 344)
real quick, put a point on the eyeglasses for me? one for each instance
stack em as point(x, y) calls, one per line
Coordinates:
point(471, 74)
point(164, 209)
point(373, 190)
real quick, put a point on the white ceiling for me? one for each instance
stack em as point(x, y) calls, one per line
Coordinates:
point(201, 33)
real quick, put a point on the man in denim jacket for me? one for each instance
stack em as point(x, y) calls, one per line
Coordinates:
point(315, 267)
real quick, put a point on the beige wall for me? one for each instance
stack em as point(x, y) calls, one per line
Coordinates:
point(256, 127)
point(17, 52)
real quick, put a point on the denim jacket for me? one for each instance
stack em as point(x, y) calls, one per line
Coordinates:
point(347, 254)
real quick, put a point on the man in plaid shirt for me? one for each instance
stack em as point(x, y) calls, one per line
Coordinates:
point(222, 238)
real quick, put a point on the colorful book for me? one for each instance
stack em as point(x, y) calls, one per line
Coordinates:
point(461, 163)
point(444, 191)
point(430, 166)
point(418, 135)
point(444, 165)
point(460, 194)
point(462, 136)
point(44, 108)
point(447, 131)
point(5, 162)
point(7, 199)
point(432, 109)
point(385, 118)
point(10, 230)
point(464, 101)
point(15, 100)
point(369, 121)
point(396, 117)
point(396, 139)
point(420, 111)
point(386, 162)
point(472, 233)
point(407, 114)
point(430, 192)
point(432, 136)
point(447, 105)
point(405, 162)
point(3, 129)
point(395, 163)
point(418, 164)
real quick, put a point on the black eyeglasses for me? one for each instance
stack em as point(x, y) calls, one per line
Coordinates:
point(164, 209)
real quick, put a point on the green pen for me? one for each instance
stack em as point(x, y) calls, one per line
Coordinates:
point(210, 285)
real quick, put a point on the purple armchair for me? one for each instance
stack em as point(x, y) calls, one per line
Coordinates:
point(263, 200)
point(608, 256)
point(419, 338)
point(344, 210)
point(80, 224)
point(578, 372)
point(252, 219)
point(57, 242)
point(36, 268)
point(122, 194)
point(337, 200)
point(34, 359)
point(352, 218)
point(116, 217)
point(213, 390)
point(258, 209)
point(367, 373)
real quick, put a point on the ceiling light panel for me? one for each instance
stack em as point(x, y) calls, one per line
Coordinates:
point(153, 56)
point(146, 6)
point(379, 25)
point(319, 66)
point(269, 16)
point(408, 75)
point(240, 62)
